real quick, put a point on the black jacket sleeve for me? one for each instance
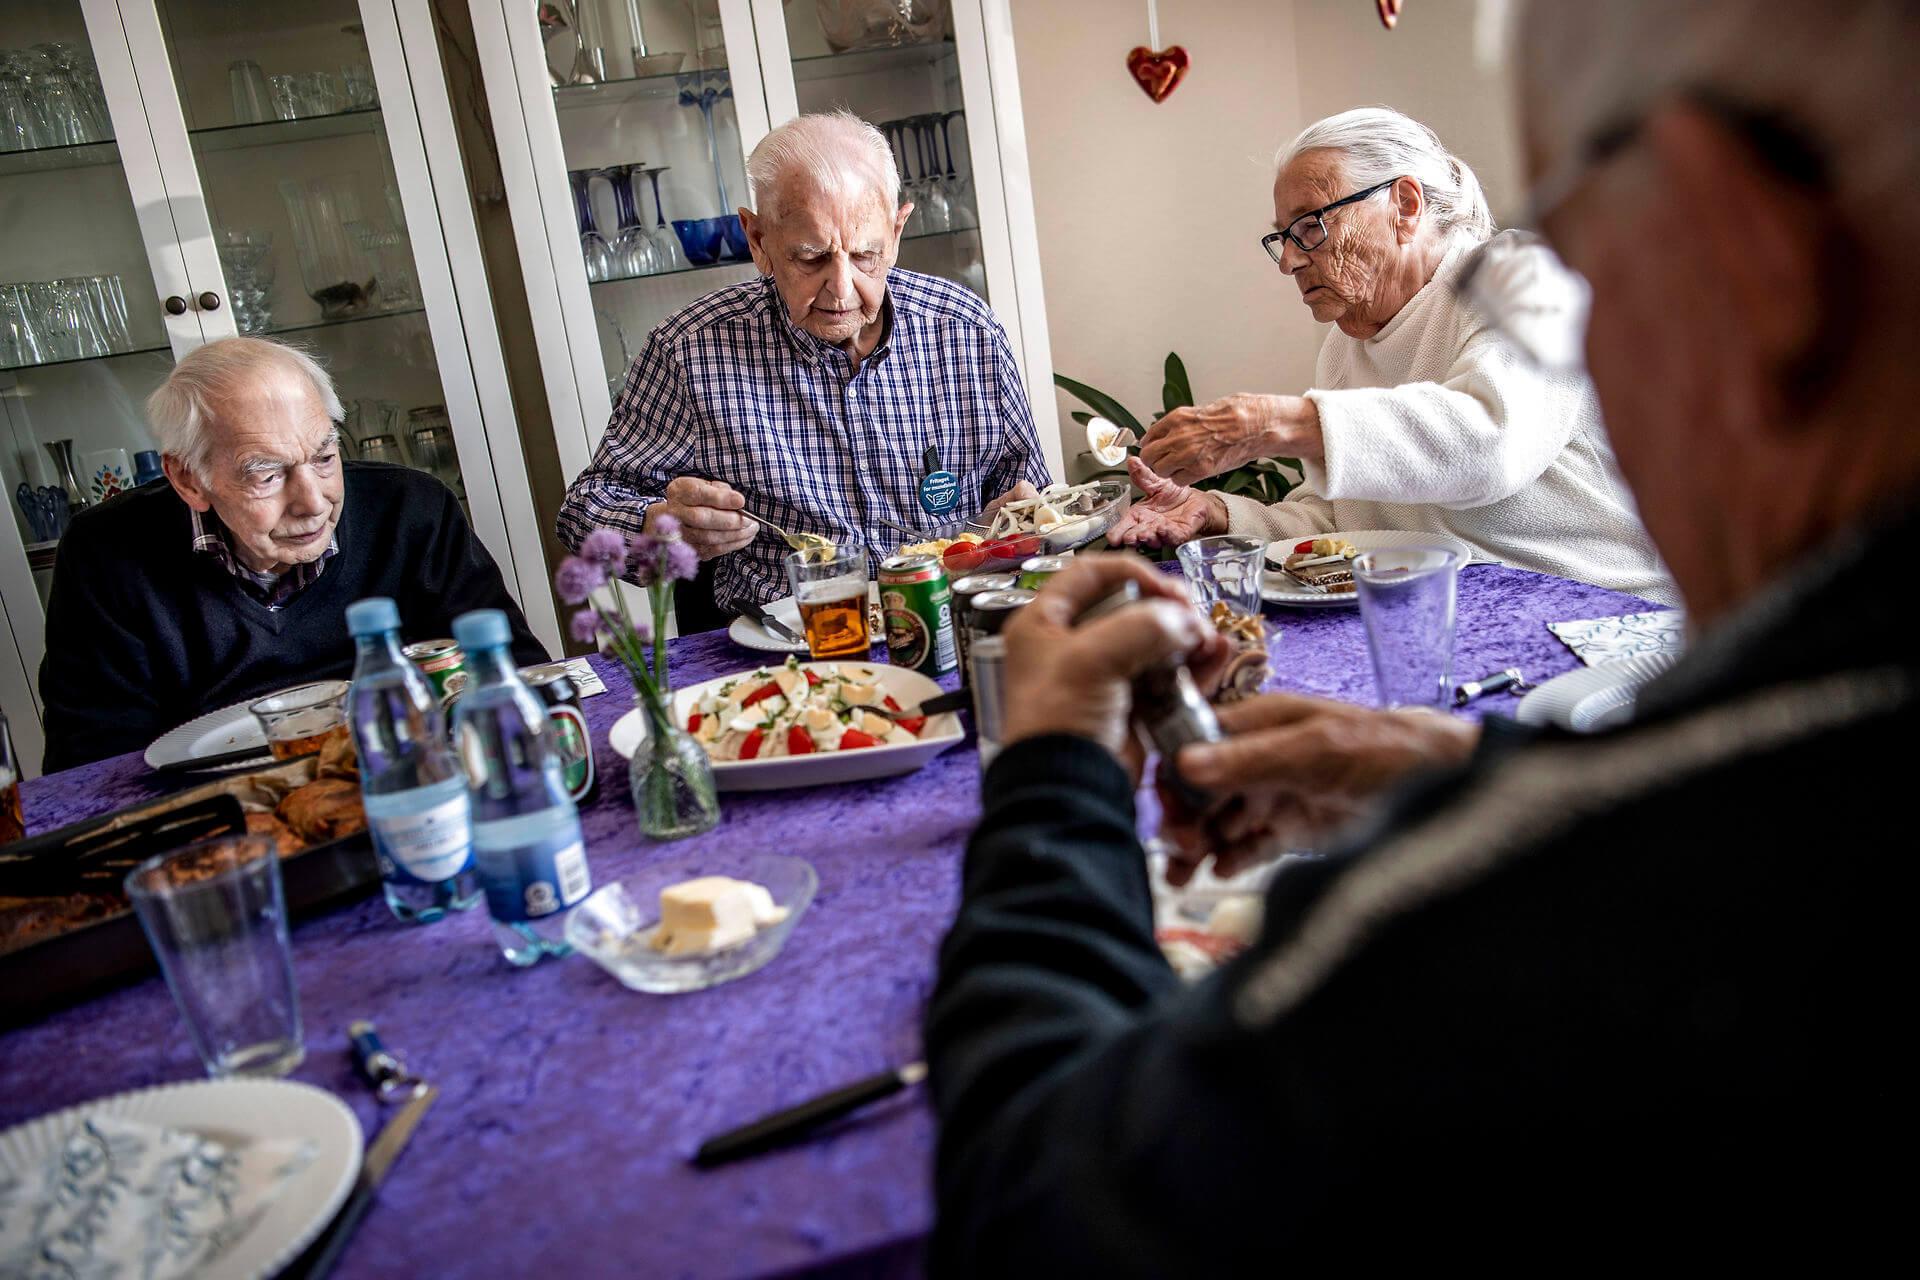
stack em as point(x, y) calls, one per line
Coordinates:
point(95, 680)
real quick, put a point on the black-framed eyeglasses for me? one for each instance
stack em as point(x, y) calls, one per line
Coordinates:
point(1309, 230)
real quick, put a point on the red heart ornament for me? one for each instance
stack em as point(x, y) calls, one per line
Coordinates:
point(1158, 73)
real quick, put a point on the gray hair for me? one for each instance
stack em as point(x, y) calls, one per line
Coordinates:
point(832, 150)
point(1840, 72)
point(1379, 144)
point(216, 374)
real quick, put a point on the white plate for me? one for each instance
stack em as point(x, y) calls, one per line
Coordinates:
point(750, 634)
point(821, 768)
point(231, 728)
point(1593, 698)
point(1277, 588)
point(230, 1112)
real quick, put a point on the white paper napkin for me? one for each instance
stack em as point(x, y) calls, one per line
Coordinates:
point(125, 1199)
point(1596, 641)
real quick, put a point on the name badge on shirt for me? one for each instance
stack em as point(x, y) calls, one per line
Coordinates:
point(939, 493)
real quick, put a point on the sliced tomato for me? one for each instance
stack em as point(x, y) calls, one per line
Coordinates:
point(812, 678)
point(912, 724)
point(765, 691)
point(999, 549)
point(693, 723)
point(1023, 546)
point(1303, 548)
point(854, 738)
point(799, 741)
point(751, 747)
point(963, 557)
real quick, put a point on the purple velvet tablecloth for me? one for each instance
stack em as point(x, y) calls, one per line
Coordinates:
point(569, 1105)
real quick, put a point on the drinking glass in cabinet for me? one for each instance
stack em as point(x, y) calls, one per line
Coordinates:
point(880, 24)
point(285, 92)
point(252, 100)
point(50, 96)
point(593, 245)
point(246, 258)
point(335, 271)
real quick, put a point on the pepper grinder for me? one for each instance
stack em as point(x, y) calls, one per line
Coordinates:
point(62, 454)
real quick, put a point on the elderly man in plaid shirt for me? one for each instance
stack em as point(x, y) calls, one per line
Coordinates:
point(815, 396)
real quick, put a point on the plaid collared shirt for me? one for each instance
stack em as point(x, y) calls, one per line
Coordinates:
point(270, 589)
point(730, 389)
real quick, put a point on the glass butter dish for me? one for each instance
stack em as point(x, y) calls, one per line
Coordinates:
point(615, 926)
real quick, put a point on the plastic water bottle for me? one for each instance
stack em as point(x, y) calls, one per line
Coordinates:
point(412, 785)
point(526, 833)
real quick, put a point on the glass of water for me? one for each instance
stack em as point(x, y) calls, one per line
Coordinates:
point(1407, 597)
point(216, 915)
point(1224, 570)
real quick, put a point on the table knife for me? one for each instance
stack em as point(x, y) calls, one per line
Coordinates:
point(384, 1070)
point(782, 1127)
point(772, 625)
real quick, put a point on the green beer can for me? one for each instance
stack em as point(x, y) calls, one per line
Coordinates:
point(916, 606)
point(1035, 572)
point(566, 727)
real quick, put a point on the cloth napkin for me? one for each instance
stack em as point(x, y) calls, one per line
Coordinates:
point(1596, 641)
point(123, 1199)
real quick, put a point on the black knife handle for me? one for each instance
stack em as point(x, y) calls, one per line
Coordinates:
point(340, 1234)
point(955, 701)
point(784, 1126)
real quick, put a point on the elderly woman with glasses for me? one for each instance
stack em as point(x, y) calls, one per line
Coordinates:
point(1425, 416)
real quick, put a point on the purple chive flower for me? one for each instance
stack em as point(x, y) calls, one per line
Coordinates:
point(644, 557)
point(586, 627)
point(606, 547)
point(665, 526)
point(576, 579)
point(683, 562)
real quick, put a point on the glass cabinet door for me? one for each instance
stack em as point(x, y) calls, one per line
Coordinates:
point(894, 63)
point(83, 339)
point(654, 162)
point(289, 141)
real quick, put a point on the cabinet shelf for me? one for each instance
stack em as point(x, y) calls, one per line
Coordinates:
point(111, 355)
point(273, 133)
point(865, 62)
point(84, 155)
point(748, 262)
point(305, 326)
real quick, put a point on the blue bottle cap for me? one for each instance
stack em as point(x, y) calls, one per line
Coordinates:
point(482, 629)
point(374, 616)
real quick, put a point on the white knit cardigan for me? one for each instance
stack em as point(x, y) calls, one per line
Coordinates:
point(1435, 424)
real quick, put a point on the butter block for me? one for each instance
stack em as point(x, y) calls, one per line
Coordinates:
point(711, 913)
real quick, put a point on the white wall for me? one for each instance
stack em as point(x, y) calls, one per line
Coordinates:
point(1150, 215)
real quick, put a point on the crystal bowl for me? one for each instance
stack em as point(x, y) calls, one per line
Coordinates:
point(614, 926)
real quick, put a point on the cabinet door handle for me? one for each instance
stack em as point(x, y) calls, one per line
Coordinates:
point(209, 301)
point(176, 305)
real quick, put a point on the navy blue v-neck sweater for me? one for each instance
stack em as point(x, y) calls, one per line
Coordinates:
point(144, 633)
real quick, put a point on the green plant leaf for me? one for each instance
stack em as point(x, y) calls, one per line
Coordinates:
point(1100, 402)
point(1177, 393)
point(1081, 416)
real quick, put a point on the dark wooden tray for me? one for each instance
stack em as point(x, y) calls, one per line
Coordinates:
point(66, 968)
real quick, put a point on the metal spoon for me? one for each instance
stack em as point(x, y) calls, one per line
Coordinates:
point(807, 544)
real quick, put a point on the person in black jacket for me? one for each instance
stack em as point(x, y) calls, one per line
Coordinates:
point(230, 578)
point(1631, 997)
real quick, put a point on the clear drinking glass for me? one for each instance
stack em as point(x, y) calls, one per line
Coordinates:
point(297, 720)
point(319, 93)
point(216, 916)
point(1407, 598)
point(359, 90)
point(20, 342)
point(336, 272)
point(285, 94)
point(1224, 569)
point(252, 100)
point(831, 590)
point(381, 448)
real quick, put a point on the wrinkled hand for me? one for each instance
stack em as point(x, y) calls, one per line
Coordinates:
point(1166, 514)
point(1206, 440)
point(1063, 679)
point(712, 515)
point(1292, 770)
point(1020, 492)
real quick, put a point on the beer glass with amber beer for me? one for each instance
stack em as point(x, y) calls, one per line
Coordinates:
point(830, 586)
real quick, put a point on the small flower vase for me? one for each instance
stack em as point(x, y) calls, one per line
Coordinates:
point(671, 778)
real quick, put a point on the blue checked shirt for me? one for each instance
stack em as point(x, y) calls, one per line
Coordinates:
point(729, 389)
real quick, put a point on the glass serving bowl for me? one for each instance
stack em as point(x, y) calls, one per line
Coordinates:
point(1111, 501)
point(615, 925)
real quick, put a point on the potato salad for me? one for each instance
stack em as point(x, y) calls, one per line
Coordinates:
point(791, 710)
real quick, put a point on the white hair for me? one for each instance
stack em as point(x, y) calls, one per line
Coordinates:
point(1379, 144)
point(215, 375)
point(833, 151)
point(1840, 73)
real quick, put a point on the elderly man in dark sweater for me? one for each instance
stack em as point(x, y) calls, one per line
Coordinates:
point(231, 577)
point(1631, 997)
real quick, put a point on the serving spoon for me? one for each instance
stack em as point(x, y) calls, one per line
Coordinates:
point(811, 545)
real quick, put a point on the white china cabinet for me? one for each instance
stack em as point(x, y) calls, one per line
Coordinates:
point(175, 171)
point(623, 125)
